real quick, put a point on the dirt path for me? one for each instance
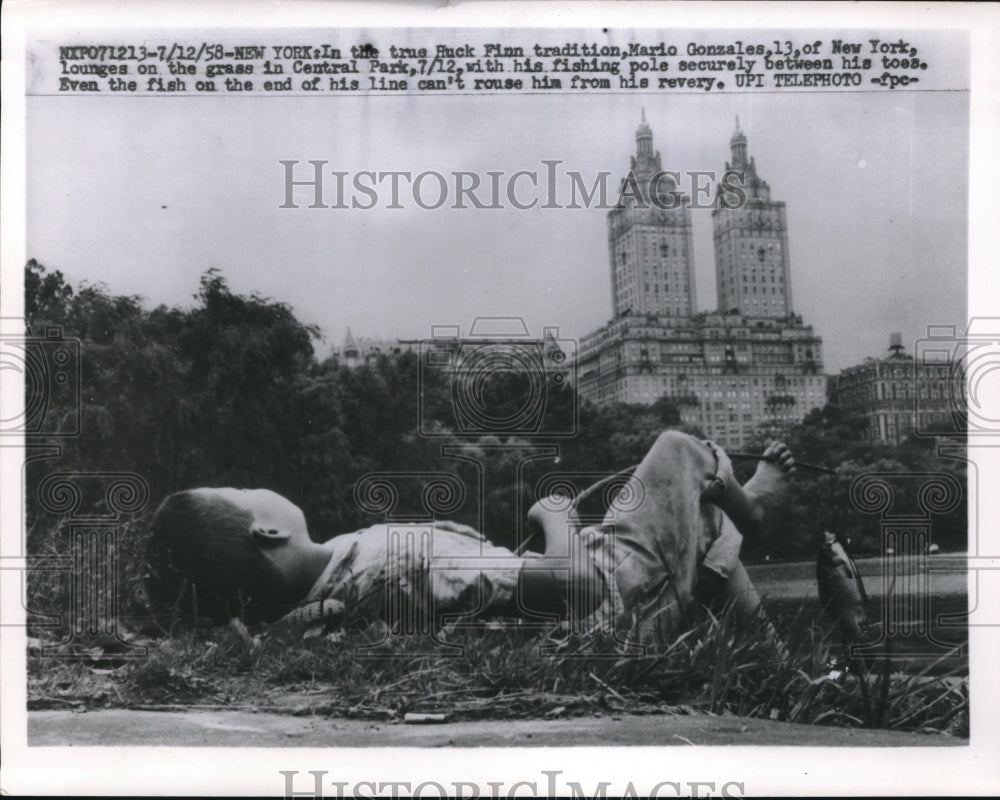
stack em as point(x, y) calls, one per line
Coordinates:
point(260, 729)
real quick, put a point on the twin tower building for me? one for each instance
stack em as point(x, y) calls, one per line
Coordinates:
point(751, 361)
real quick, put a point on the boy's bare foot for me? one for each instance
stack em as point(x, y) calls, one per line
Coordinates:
point(748, 506)
point(767, 486)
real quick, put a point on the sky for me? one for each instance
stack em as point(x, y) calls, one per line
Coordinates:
point(145, 194)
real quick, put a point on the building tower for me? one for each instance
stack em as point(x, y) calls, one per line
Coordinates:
point(752, 362)
point(350, 351)
point(751, 242)
point(649, 238)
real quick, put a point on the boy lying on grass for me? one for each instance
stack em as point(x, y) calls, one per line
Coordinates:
point(641, 574)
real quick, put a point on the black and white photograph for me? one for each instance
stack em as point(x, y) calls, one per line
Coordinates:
point(499, 400)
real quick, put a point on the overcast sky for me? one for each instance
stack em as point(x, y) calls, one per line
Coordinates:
point(146, 194)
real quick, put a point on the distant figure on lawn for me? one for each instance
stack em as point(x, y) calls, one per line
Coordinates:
point(643, 572)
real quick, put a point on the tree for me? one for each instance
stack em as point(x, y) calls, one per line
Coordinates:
point(46, 295)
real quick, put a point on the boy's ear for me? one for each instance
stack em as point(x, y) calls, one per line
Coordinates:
point(270, 537)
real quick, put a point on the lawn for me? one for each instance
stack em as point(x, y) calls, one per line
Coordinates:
point(510, 670)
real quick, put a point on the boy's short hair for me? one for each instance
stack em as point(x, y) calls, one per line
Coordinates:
point(203, 557)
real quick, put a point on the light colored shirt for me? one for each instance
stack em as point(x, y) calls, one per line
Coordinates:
point(413, 574)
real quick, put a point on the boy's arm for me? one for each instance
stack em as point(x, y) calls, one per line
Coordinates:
point(551, 584)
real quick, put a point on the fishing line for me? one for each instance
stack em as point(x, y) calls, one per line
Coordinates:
point(626, 473)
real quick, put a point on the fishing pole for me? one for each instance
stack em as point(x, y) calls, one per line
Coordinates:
point(627, 472)
point(584, 494)
point(798, 464)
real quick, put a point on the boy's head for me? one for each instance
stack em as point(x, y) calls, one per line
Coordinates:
point(230, 551)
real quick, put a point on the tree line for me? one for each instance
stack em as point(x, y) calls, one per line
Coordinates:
point(230, 392)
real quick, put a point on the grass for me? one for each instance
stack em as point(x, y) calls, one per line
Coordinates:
point(508, 671)
point(505, 671)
